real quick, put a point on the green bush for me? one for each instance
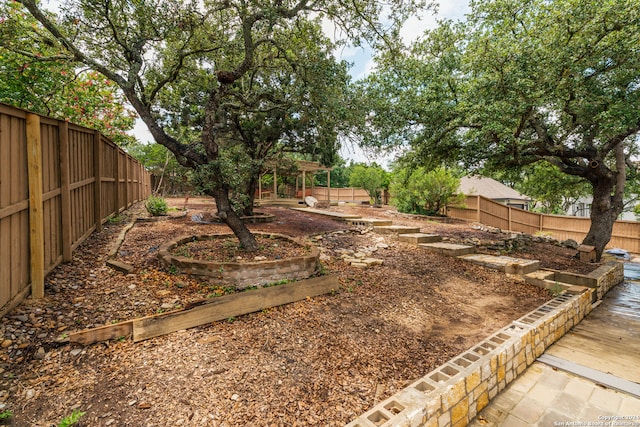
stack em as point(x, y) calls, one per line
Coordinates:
point(156, 206)
point(420, 191)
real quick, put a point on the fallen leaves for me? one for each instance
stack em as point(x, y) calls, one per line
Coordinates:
point(320, 361)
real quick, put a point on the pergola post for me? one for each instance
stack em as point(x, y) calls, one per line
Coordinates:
point(275, 184)
point(304, 182)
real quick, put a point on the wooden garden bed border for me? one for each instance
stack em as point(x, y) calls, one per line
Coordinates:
point(208, 311)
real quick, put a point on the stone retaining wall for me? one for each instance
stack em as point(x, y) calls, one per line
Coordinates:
point(454, 393)
point(607, 276)
point(243, 274)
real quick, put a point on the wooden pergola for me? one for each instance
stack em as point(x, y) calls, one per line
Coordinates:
point(303, 168)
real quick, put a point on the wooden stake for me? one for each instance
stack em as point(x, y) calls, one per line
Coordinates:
point(65, 191)
point(97, 193)
point(36, 220)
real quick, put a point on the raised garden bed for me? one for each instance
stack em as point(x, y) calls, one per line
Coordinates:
point(242, 273)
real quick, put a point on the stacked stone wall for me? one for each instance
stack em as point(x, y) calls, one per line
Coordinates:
point(454, 393)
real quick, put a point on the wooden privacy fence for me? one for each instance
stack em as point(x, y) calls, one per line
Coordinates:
point(626, 234)
point(349, 194)
point(59, 182)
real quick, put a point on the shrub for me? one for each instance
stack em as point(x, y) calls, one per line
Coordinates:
point(156, 206)
point(420, 191)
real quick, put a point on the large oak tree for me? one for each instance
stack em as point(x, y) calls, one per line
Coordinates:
point(520, 82)
point(216, 55)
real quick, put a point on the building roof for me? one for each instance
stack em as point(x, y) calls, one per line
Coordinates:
point(489, 188)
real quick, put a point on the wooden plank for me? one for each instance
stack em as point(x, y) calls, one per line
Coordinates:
point(82, 183)
point(5, 261)
point(120, 266)
point(65, 191)
point(609, 381)
point(103, 333)
point(116, 179)
point(13, 209)
point(36, 227)
point(97, 169)
point(232, 305)
point(208, 311)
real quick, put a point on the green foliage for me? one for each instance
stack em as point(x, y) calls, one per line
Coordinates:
point(520, 82)
point(556, 290)
point(156, 206)
point(161, 162)
point(58, 88)
point(552, 191)
point(373, 179)
point(339, 174)
point(230, 85)
point(71, 419)
point(6, 414)
point(424, 192)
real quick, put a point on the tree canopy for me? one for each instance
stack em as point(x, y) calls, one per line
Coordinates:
point(521, 82)
point(372, 178)
point(65, 90)
point(221, 82)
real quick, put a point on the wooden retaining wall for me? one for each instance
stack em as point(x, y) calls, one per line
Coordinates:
point(59, 182)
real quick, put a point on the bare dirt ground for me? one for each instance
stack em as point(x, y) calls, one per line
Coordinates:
point(321, 361)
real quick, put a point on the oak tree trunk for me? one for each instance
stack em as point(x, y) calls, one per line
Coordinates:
point(252, 187)
point(608, 201)
point(603, 215)
point(231, 218)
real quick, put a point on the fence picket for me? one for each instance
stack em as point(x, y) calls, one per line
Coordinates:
point(48, 209)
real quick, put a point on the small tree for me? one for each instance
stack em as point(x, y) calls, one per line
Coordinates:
point(424, 192)
point(373, 179)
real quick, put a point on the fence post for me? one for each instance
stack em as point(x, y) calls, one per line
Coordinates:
point(65, 191)
point(509, 214)
point(116, 176)
point(541, 226)
point(126, 181)
point(36, 219)
point(140, 182)
point(97, 169)
point(478, 209)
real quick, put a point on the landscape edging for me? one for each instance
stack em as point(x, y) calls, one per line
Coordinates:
point(454, 393)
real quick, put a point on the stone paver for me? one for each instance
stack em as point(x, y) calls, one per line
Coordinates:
point(369, 222)
point(417, 238)
point(505, 264)
point(449, 249)
point(543, 396)
point(396, 229)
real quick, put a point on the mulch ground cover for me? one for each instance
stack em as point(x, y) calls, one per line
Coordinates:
point(320, 361)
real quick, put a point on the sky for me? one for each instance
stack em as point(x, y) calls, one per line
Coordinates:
point(362, 64)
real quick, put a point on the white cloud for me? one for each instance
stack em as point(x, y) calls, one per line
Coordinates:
point(414, 28)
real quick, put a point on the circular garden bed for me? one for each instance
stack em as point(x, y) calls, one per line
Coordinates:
point(220, 257)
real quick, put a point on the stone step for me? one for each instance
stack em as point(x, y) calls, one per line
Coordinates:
point(450, 249)
point(396, 229)
point(538, 278)
point(417, 238)
point(369, 222)
point(506, 264)
point(363, 262)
